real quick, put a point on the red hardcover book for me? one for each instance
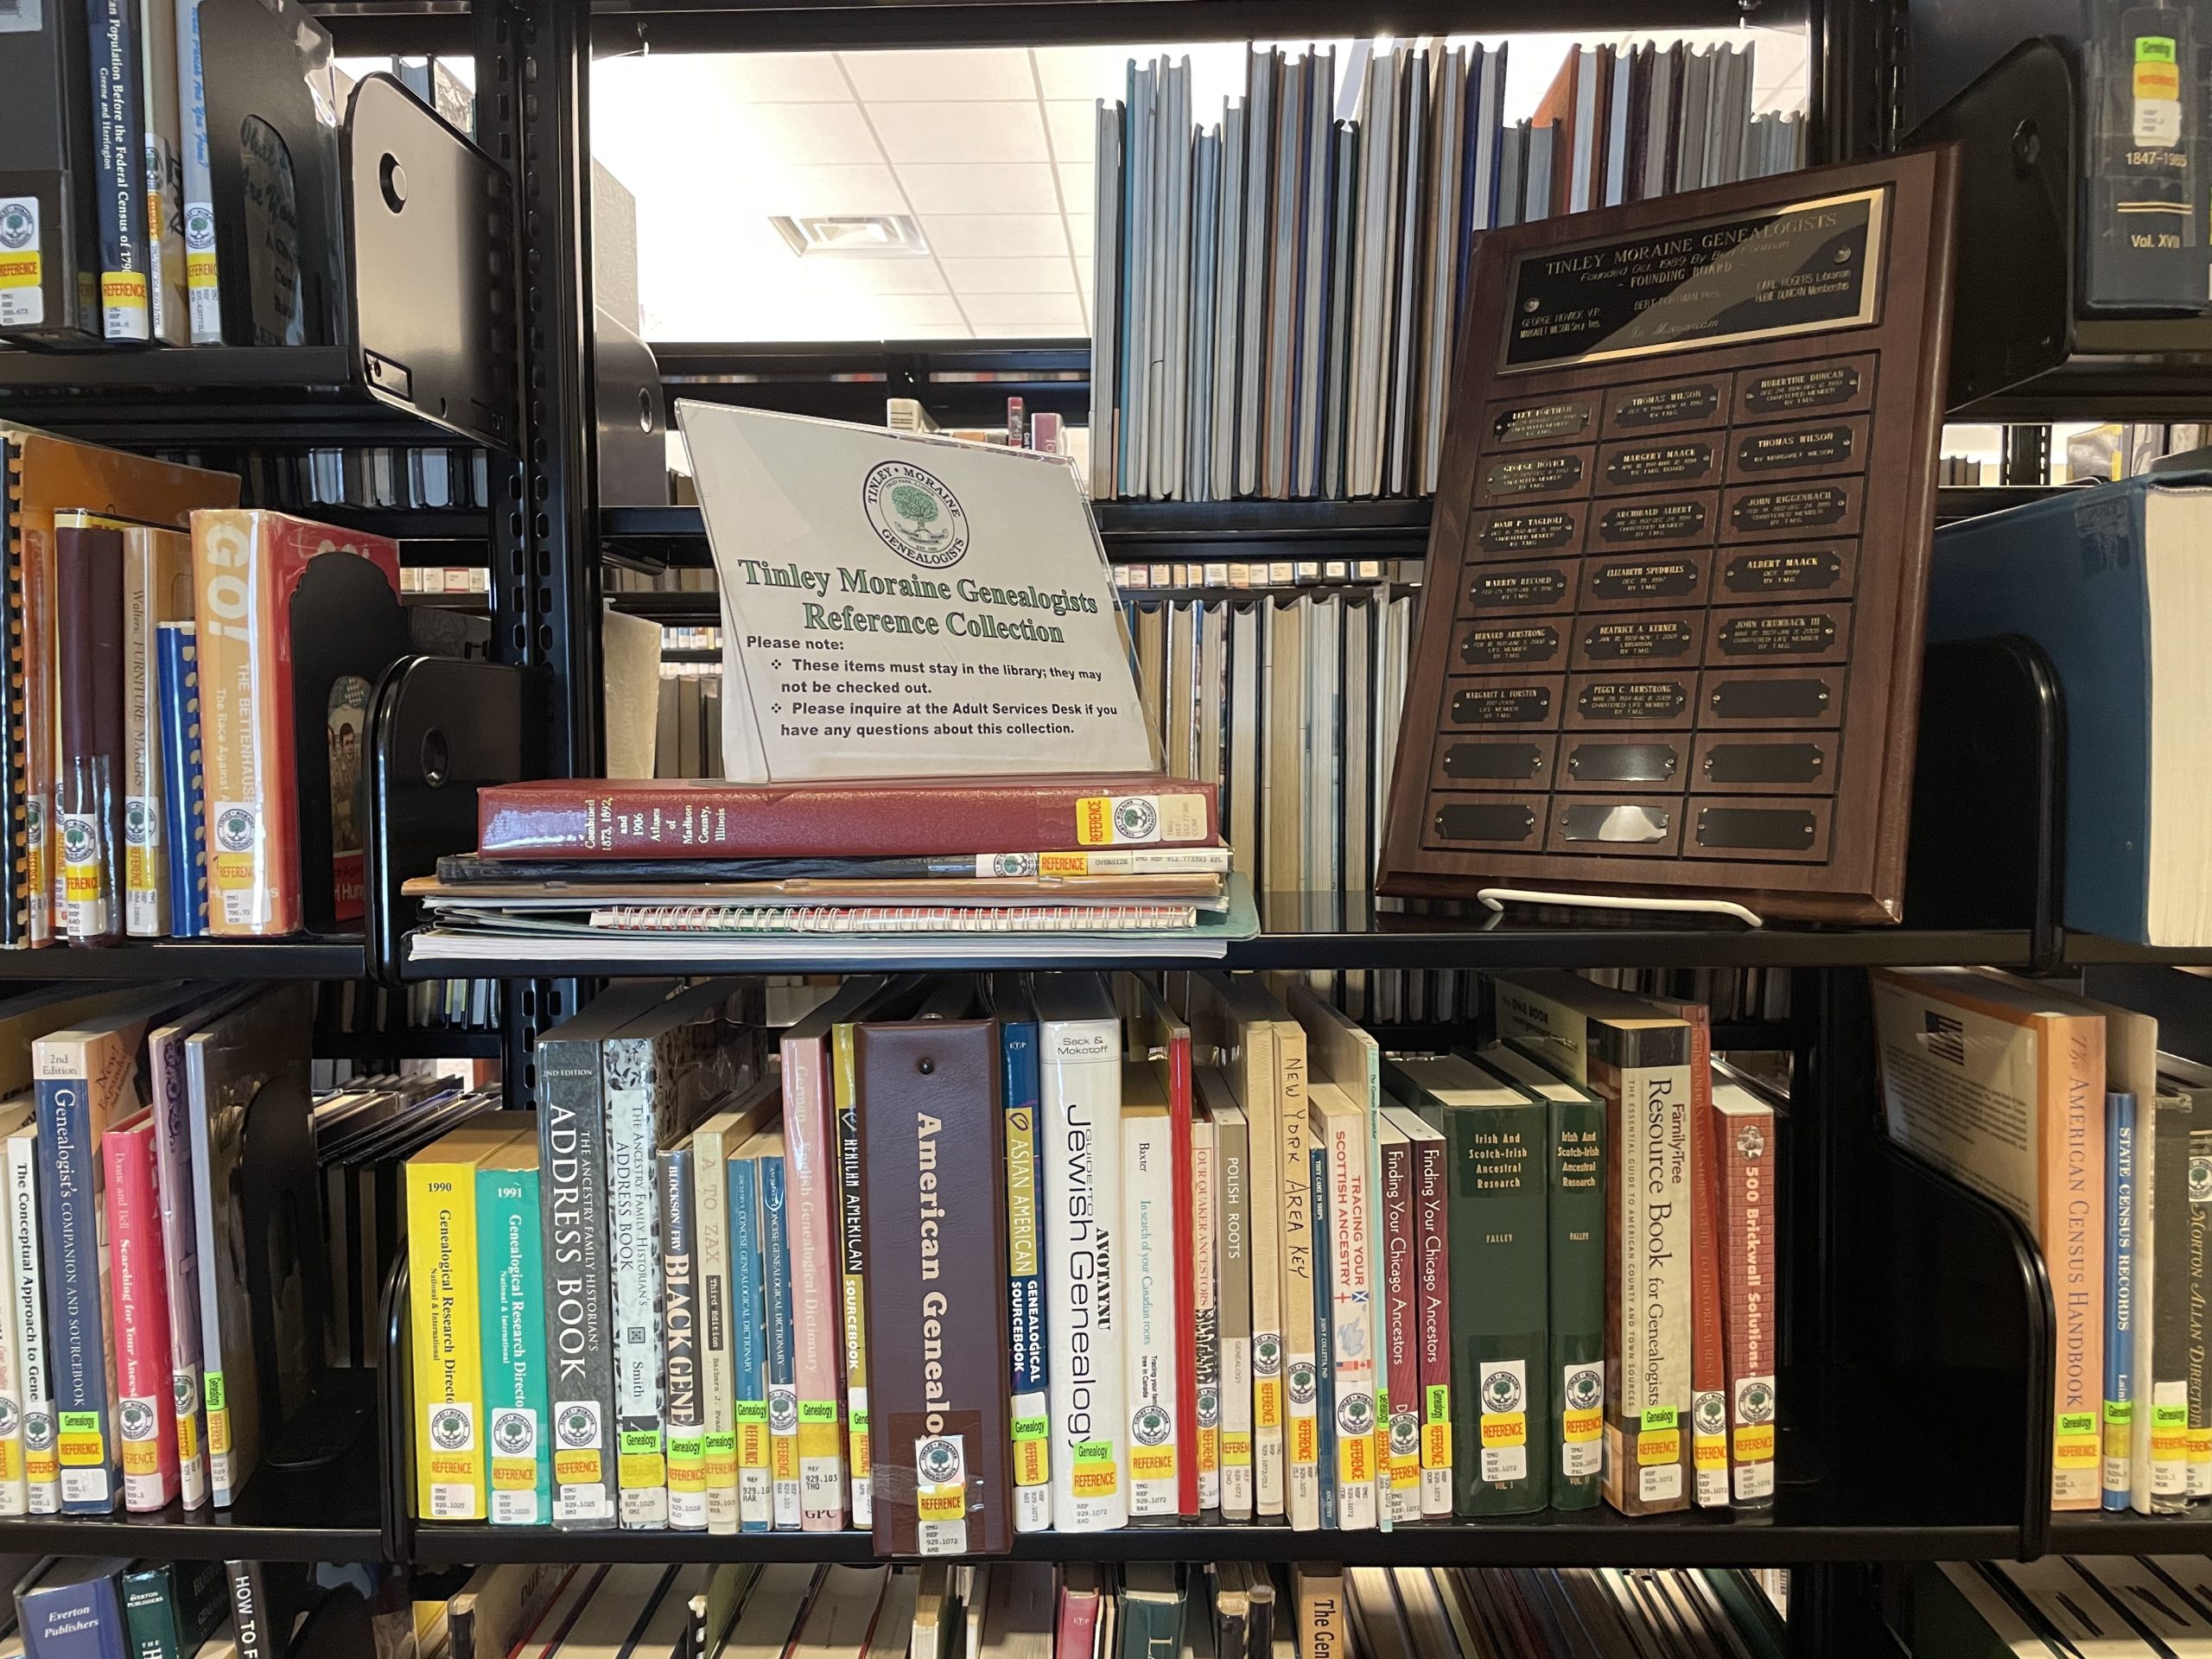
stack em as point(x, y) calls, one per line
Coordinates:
point(138, 1281)
point(1709, 1361)
point(1742, 1135)
point(251, 569)
point(1166, 1044)
point(1401, 1323)
point(585, 818)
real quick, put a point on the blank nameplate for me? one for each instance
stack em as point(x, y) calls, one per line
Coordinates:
point(1624, 763)
point(1757, 828)
point(1778, 699)
point(1481, 821)
point(1634, 825)
point(1493, 762)
point(1764, 763)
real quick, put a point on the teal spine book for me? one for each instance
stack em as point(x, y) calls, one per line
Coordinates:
point(783, 1382)
point(170, 1608)
point(510, 1252)
point(749, 1318)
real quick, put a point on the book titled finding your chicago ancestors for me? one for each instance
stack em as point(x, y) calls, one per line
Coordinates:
point(897, 606)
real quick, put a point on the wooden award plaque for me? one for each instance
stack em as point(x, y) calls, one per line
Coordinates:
point(1670, 641)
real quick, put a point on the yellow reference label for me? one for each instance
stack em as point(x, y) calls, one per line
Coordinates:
point(1657, 1446)
point(1436, 1445)
point(577, 1468)
point(1356, 1459)
point(639, 1469)
point(1152, 1463)
point(1709, 1451)
point(1266, 1402)
point(940, 1502)
point(1578, 1427)
point(1236, 1450)
point(513, 1474)
point(141, 1457)
point(817, 1429)
point(1030, 1462)
point(1304, 1440)
point(1096, 1472)
point(1755, 1442)
point(1502, 1428)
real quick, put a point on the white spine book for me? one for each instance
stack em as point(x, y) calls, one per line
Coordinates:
point(717, 1365)
point(41, 1461)
point(1146, 1295)
point(1205, 1212)
point(1352, 1317)
point(634, 1253)
point(1302, 1426)
point(15, 1493)
point(1079, 1059)
point(204, 295)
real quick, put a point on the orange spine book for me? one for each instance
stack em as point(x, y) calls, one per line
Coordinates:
point(247, 565)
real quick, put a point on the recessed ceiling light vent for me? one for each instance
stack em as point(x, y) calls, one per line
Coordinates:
point(850, 236)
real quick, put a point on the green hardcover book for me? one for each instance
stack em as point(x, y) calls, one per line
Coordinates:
point(510, 1253)
point(1497, 1144)
point(1574, 1170)
point(171, 1607)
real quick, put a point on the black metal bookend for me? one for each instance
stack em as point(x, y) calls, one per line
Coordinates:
point(1989, 793)
point(439, 728)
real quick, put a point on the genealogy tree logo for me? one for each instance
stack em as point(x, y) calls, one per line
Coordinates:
point(1266, 1356)
point(184, 1388)
point(38, 1431)
point(234, 828)
point(1136, 818)
point(137, 1421)
point(1149, 1425)
point(2200, 1180)
point(513, 1434)
point(199, 226)
point(76, 839)
point(1755, 1401)
point(1405, 1434)
point(10, 1422)
point(138, 822)
point(938, 1461)
point(1709, 1416)
point(1356, 1414)
point(915, 515)
point(1301, 1384)
point(18, 226)
point(1208, 1409)
point(450, 1429)
point(1582, 1388)
point(577, 1426)
point(783, 1414)
point(1502, 1391)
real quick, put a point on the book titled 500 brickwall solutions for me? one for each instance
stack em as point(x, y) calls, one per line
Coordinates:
point(968, 1255)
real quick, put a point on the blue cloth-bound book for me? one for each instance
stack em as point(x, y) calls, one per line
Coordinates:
point(74, 1609)
point(183, 785)
point(2112, 581)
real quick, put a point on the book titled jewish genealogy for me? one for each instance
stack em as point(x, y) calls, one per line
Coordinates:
point(1683, 526)
point(897, 605)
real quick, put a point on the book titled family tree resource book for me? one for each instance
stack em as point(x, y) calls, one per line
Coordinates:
point(903, 606)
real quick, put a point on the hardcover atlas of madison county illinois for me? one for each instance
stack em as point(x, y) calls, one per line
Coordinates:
point(896, 606)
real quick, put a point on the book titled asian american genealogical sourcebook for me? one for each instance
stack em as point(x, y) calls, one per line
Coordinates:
point(897, 605)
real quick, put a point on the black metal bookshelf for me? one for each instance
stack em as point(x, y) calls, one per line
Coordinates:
point(1899, 1289)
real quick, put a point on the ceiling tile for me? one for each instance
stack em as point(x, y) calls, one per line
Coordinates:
point(835, 190)
point(997, 276)
point(775, 77)
point(1014, 315)
point(1078, 184)
point(1075, 130)
point(959, 132)
point(877, 277)
point(936, 187)
point(925, 77)
point(807, 135)
point(993, 236)
point(1086, 72)
point(909, 313)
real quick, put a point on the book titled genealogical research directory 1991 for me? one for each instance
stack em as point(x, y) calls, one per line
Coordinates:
point(899, 606)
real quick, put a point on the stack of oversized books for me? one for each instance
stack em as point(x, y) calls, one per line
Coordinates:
point(710, 868)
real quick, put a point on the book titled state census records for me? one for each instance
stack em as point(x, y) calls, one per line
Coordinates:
point(895, 603)
point(1683, 526)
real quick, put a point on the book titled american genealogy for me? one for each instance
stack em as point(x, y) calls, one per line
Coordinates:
point(1685, 515)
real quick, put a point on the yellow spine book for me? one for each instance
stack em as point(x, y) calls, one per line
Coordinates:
point(1302, 1425)
point(445, 1309)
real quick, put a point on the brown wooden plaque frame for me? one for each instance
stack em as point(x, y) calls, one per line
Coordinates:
point(1788, 401)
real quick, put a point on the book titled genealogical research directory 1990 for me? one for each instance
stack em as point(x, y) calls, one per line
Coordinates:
point(902, 606)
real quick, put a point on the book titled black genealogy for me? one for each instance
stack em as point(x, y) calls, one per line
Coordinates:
point(935, 1213)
